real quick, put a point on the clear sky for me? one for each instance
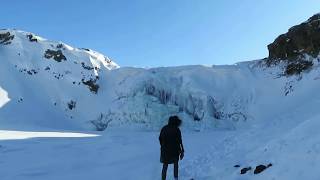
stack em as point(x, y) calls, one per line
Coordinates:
point(149, 33)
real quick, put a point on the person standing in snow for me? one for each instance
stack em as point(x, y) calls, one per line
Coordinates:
point(171, 146)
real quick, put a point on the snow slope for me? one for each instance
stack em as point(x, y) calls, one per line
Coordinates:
point(43, 79)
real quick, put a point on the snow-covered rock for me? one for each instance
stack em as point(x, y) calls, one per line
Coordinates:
point(46, 82)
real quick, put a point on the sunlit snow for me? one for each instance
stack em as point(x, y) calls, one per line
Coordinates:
point(4, 99)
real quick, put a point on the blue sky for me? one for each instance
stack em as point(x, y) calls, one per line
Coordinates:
point(149, 33)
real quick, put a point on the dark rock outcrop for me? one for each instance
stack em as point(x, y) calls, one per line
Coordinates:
point(92, 84)
point(296, 67)
point(56, 55)
point(32, 38)
point(71, 104)
point(245, 170)
point(261, 168)
point(86, 49)
point(257, 170)
point(291, 47)
point(84, 66)
point(6, 38)
point(300, 39)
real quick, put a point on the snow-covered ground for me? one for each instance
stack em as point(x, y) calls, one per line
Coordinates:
point(113, 155)
point(122, 154)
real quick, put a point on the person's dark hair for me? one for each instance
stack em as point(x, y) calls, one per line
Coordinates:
point(174, 121)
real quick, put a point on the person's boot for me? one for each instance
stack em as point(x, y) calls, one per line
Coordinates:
point(175, 178)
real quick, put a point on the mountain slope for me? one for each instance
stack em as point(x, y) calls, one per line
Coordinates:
point(43, 79)
point(53, 85)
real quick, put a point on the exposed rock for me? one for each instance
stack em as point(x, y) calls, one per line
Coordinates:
point(297, 67)
point(20, 100)
point(71, 104)
point(261, 168)
point(92, 84)
point(245, 170)
point(107, 60)
point(32, 71)
point(32, 38)
point(86, 49)
point(300, 39)
point(236, 166)
point(84, 66)
point(61, 46)
point(6, 38)
point(56, 55)
point(291, 47)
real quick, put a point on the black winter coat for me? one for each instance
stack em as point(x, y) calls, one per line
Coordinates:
point(170, 141)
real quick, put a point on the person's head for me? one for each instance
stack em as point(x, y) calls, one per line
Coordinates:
point(174, 121)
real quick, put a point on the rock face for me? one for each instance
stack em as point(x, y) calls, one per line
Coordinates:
point(261, 168)
point(291, 47)
point(6, 38)
point(245, 170)
point(56, 55)
point(300, 39)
